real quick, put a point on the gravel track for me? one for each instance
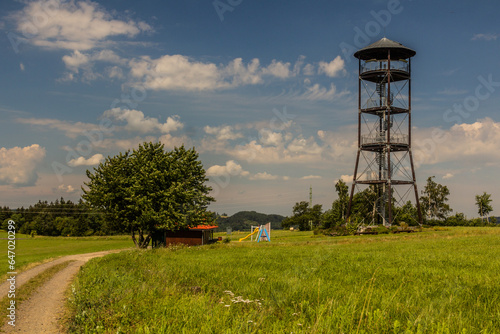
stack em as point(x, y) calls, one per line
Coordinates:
point(41, 312)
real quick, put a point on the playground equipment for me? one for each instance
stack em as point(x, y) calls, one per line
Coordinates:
point(264, 233)
point(255, 231)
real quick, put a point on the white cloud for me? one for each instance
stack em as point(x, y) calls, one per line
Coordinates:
point(80, 62)
point(222, 133)
point(136, 121)
point(178, 72)
point(230, 168)
point(239, 74)
point(72, 25)
point(347, 178)
point(333, 68)
point(112, 144)
point(476, 143)
point(171, 141)
point(340, 145)
point(308, 69)
point(263, 176)
point(71, 129)
point(317, 92)
point(271, 138)
point(278, 69)
point(448, 176)
point(67, 188)
point(18, 165)
point(485, 37)
point(115, 72)
point(76, 60)
point(304, 146)
point(311, 177)
point(21, 66)
point(297, 150)
point(81, 161)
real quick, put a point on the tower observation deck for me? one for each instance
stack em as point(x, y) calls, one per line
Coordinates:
point(384, 172)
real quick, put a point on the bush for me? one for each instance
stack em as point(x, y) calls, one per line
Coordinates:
point(381, 229)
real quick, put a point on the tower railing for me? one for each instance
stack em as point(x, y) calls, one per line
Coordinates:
point(378, 65)
point(398, 139)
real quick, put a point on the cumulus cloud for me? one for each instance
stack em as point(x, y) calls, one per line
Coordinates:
point(178, 72)
point(296, 150)
point(66, 188)
point(340, 145)
point(278, 69)
point(80, 62)
point(263, 176)
point(448, 176)
point(72, 25)
point(81, 161)
point(478, 142)
point(136, 121)
point(222, 133)
point(347, 178)
point(230, 168)
point(333, 68)
point(175, 141)
point(241, 74)
point(271, 138)
point(18, 165)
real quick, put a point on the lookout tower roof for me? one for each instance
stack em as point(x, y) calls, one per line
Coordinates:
point(378, 50)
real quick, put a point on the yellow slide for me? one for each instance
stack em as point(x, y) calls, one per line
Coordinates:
point(255, 231)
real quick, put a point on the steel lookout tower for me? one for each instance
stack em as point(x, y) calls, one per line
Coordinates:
point(384, 171)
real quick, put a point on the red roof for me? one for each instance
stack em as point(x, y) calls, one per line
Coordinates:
point(203, 227)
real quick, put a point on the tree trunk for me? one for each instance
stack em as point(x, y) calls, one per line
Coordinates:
point(145, 242)
point(133, 238)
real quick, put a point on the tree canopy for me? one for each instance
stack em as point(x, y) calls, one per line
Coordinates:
point(304, 216)
point(483, 205)
point(434, 200)
point(150, 189)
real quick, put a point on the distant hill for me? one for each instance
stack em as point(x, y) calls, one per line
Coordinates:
point(243, 220)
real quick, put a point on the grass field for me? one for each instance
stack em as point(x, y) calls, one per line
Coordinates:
point(34, 250)
point(429, 282)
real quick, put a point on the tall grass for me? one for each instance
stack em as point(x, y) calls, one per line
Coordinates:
point(430, 282)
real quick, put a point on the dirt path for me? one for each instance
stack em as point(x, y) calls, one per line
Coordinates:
point(41, 312)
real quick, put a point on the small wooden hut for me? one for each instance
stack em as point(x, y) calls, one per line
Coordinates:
point(199, 235)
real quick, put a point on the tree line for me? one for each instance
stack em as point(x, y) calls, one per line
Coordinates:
point(434, 207)
point(59, 218)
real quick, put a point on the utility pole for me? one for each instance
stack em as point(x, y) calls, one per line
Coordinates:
point(310, 197)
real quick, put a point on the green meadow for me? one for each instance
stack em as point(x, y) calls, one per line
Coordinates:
point(40, 248)
point(435, 281)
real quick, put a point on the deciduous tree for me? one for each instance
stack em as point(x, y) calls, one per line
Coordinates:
point(150, 189)
point(483, 205)
point(304, 216)
point(434, 200)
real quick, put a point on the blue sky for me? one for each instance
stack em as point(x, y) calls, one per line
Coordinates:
point(265, 91)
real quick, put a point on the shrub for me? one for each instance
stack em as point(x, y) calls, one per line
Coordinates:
point(382, 230)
